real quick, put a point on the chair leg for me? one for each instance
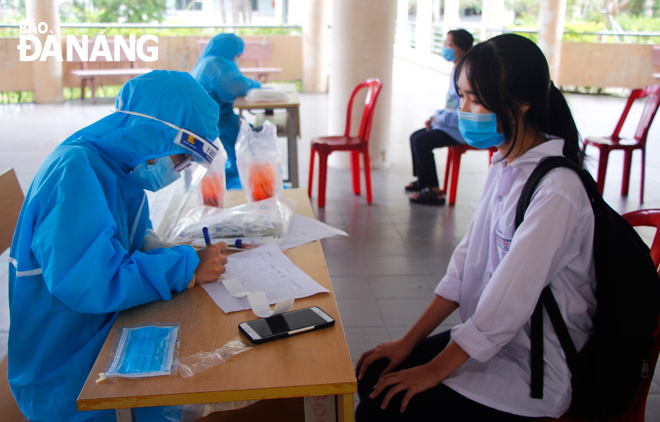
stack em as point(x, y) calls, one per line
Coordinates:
point(83, 84)
point(602, 167)
point(355, 171)
point(641, 193)
point(367, 175)
point(450, 153)
point(627, 164)
point(310, 182)
point(455, 168)
point(323, 172)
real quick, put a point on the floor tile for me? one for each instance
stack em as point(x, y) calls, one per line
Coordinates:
point(389, 265)
point(359, 313)
point(362, 339)
point(395, 287)
point(352, 288)
point(402, 312)
point(339, 266)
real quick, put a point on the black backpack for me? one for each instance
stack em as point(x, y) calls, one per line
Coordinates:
point(609, 369)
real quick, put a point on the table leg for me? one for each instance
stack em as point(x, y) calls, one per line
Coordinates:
point(125, 415)
point(345, 411)
point(292, 144)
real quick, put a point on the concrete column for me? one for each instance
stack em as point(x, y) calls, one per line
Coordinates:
point(47, 75)
point(492, 17)
point(551, 29)
point(452, 17)
point(362, 48)
point(423, 22)
point(315, 40)
point(278, 11)
point(402, 23)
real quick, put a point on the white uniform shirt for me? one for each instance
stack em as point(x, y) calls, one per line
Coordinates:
point(497, 276)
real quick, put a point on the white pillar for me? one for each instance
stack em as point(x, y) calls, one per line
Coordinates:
point(423, 23)
point(452, 17)
point(362, 48)
point(278, 12)
point(402, 23)
point(551, 29)
point(492, 17)
point(315, 40)
point(47, 75)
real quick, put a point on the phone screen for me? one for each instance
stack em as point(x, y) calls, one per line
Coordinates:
point(286, 322)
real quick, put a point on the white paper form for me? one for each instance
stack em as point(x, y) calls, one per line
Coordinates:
point(305, 230)
point(263, 269)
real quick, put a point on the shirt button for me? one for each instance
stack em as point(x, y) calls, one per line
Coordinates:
point(499, 198)
point(490, 275)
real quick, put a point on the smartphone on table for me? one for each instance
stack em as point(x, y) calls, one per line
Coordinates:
point(286, 324)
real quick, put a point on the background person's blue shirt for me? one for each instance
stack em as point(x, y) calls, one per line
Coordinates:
point(447, 120)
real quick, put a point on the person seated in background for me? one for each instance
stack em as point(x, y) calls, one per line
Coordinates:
point(441, 130)
point(217, 71)
point(82, 251)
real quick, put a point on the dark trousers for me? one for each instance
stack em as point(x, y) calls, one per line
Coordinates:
point(422, 144)
point(437, 403)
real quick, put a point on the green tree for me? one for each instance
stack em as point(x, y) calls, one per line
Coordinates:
point(131, 11)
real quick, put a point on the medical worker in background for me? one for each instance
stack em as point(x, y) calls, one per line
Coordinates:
point(81, 252)
point(441, 130)
point(217, 71)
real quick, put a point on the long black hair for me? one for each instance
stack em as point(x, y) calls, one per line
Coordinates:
point(508, 71)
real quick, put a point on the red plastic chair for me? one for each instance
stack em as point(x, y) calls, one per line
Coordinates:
point(454, 164)
point(637, 407)
point(356, 144)
point(610, 143)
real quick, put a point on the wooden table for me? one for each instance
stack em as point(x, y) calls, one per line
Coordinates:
point(311, 364)
point(292, 106)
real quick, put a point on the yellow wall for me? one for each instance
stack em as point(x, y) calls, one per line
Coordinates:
point(174, 53)
point(607, 65)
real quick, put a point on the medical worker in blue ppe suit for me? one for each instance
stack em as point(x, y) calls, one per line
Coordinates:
point(217, 71)
point(80, 251)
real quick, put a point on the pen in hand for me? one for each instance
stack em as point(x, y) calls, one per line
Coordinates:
point(207, 237)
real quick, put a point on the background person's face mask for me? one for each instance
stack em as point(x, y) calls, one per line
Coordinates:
point(448, 54)
point(157, 176)
point(479, 129)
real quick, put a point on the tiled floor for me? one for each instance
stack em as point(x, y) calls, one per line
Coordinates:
point(385, 272)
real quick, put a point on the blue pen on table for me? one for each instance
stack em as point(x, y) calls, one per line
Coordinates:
point(207, 237)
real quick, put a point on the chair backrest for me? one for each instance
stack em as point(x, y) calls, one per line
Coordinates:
point(374, 85)
point(254, 51)
point(652, 94)
point(637, 407)
point(11, 201)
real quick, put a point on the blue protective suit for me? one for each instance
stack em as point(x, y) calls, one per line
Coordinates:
point(220, 77)
point(75, 259)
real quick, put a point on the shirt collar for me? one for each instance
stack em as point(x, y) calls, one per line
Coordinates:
point(528, 161)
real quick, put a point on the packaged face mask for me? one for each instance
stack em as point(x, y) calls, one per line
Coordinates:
point(144, 351)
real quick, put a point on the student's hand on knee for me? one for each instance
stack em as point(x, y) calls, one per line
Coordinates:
point(414, 380)
point(212, 261)
point(428, 124)
point(395, 351)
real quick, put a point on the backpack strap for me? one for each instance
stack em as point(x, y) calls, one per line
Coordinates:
point(547, 298)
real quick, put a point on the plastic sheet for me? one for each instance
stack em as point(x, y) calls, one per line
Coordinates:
point(267, 220)
point(259, 160)
point(202, 361)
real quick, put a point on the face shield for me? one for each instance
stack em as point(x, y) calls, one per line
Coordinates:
point(169, 203)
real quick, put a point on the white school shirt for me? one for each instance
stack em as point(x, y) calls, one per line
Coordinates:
point(497, 276)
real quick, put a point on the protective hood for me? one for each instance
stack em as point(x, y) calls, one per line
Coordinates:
point(168, 100)
point(226, 46)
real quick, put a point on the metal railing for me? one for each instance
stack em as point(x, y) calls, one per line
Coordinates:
point(158, 26)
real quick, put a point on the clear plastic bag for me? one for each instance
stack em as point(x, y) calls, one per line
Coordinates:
point(213, 188)
point(202, 361)
point(267, 220)
point(259, 160)
point(146, 350)
point(193, 412)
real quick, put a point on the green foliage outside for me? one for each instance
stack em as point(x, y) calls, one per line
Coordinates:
point(164, 32)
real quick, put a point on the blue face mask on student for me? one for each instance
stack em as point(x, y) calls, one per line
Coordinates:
point(156, 176)
point(479, 130)
point(448, 54)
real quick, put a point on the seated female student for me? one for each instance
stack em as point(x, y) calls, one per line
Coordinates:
point(441, 130)
point(480, 371)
